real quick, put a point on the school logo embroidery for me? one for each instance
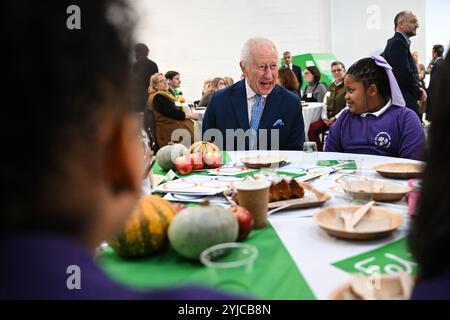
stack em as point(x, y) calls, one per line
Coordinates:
point(383, 139)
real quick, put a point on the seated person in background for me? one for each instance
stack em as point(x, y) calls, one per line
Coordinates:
point(228, 81)
point(167, 111)
point(315, 90)
point(430, 232)
point(215, 85)
point(84, 176)
point(174, 84)
point(206, 84)
point(288, 80)
point(376, 121)
point(334, 102)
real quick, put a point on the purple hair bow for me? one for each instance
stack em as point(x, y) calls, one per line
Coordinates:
point(396, 94)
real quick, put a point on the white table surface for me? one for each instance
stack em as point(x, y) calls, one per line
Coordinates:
point(311, 248)
point(311, 113)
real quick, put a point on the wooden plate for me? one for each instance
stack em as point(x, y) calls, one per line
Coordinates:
point(396, 286)
point(380, 190)
point(400, 170)
point(263, 161)
point(377, 223)
point(312, 198)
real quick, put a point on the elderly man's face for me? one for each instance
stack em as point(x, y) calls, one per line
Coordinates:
point(262, 71)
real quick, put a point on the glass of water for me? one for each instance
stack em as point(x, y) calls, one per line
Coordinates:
point(310, 153)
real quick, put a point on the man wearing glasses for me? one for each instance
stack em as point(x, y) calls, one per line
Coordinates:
point(398, 55)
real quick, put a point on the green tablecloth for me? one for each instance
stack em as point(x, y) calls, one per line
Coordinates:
point(275, 275)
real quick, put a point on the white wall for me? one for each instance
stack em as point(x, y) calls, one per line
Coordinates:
point(438, 26)
point(361, 28)
point(203, 38)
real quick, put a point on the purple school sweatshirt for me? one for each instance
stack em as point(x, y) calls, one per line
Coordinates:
point(34, 266)
point(395, 133)
point(437, 288)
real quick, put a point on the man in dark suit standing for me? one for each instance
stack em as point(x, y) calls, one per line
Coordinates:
point(287, 57)
point(438, 60)
point(255, 113)
point(143, 69)
point(398, 55)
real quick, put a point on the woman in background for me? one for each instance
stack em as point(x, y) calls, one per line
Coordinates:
point(174, 84)
point(315, 90)
point(215, 85)
point(288, 80)
point(333, 103)
point(228, 81)
point(167, 112)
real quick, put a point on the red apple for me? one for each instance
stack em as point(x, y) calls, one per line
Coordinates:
point(184, 164)
point(213, 159)
point(197, 160)
point(245, 221)
point(179, 206)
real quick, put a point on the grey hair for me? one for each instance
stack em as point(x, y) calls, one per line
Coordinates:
point(286, 53)
point(246, 52)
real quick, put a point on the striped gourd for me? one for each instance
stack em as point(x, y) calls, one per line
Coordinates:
point(145, 232)
point(203, 147)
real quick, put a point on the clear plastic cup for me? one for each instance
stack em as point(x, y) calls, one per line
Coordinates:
point(310, 154)
point(230, 266)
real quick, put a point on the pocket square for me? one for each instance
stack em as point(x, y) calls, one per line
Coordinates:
point(278, 123)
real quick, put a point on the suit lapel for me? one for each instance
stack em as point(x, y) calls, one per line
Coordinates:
point(239, 102)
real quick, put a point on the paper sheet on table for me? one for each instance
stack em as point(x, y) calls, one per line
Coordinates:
point(230, 170)
point(198, 185)
point(175, 197)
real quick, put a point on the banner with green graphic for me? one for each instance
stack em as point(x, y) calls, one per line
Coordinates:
point(389, 259)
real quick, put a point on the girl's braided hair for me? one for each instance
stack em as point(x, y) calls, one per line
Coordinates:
point(367, 72)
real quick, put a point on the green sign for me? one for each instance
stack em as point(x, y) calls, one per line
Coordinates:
point(389, 259)
point(346, 164)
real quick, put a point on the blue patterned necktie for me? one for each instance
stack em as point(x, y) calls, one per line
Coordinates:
point(257, 111)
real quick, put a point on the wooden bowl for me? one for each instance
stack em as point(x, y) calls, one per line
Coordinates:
point(378, 222)
point(400, 170)
point(379, 189)
point(263, 161)
point(387, 287)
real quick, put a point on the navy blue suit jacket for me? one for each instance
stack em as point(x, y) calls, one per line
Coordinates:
point(228, 110)
point(298, 73)
point(398, 55)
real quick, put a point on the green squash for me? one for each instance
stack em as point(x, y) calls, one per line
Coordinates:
point(166, 156)
point(196, 229)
